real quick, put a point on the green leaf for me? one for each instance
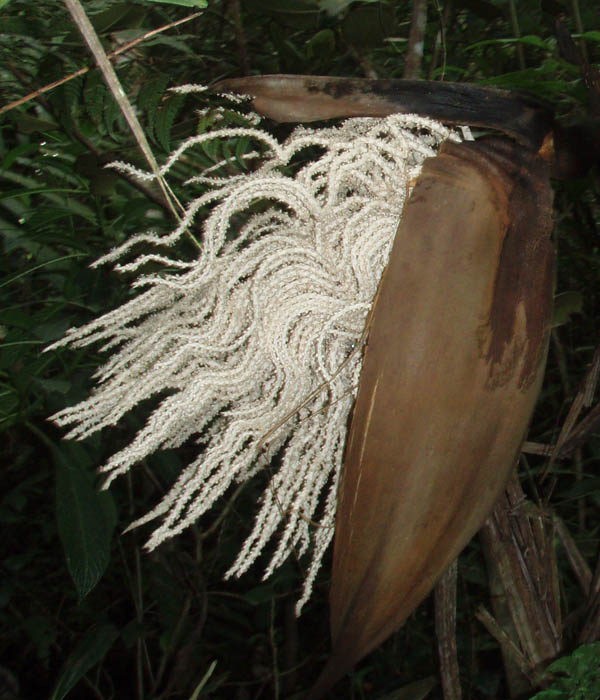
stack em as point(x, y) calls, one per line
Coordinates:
point(581, 679)
point(367, 26)
point(85, 523)
point(112, 18)
point(565, 305)
point(530, 40)
point(18, 152)
point(149, 98)
point(322, 44)
point(95, 95)
point(89, 652)
point(166, 117)
point(594, 36)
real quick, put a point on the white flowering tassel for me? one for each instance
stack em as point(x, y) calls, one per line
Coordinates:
point(255, 347)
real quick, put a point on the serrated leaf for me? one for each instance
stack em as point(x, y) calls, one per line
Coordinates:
point(165, 119)
point(582, 669)
point(90, 651)
point(84, 523)
point(149, 98)
point(94, 96)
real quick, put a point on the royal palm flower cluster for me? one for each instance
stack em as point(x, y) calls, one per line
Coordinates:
point(252, 351)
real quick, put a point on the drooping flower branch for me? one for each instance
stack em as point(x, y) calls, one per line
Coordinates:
point(254, 348)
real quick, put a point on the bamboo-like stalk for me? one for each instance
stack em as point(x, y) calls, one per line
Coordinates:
point(445, 632)
point(518, 544)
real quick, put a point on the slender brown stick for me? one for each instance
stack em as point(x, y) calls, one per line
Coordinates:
point(445, 630)
point(90, 37)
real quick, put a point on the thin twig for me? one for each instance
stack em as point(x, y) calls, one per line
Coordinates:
point(91, 38)
point(82, 71)
point(445, 632)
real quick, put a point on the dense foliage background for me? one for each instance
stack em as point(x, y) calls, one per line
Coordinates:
point(83, 609)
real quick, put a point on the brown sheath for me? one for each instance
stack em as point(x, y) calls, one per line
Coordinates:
point(456, 346)
point(452, 370)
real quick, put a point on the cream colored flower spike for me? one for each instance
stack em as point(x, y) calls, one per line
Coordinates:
point(254, 348)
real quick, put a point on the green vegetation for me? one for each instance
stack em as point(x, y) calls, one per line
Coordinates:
point(85, 612)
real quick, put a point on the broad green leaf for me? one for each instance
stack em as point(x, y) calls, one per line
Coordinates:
point(89, 652)
point(565, 305)
point(321, 45)
point(594, 36)
point(95, 94)
point(84, 521)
